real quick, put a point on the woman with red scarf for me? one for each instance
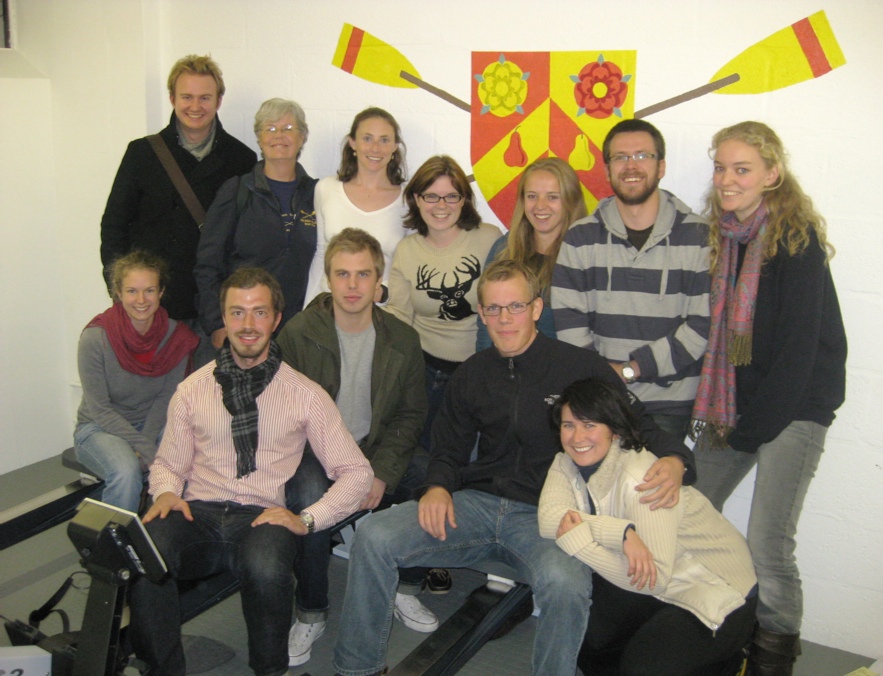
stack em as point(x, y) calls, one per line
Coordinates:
point(131, 358)
point(774, 372)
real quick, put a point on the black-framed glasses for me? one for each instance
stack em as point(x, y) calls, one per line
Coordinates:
point(515, 308)
point(637, 157)
point(432, 198)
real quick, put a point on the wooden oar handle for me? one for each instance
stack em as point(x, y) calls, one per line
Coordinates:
point(644, 112)
point(450, 98)
point(686, 96)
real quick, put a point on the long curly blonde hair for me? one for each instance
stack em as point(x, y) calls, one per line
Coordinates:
point(521, 246)
point(791, 214)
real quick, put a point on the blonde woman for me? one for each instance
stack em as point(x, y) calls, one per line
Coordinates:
point(549, 201)
point(131, 358)
point(774, 372)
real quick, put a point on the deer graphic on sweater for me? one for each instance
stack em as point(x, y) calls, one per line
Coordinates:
point(450, 287)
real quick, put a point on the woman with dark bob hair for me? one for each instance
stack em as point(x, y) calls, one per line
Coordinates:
point(366, 193)
point(131, 358)
point(775, 367)
point(674, 590)
point(433, 286)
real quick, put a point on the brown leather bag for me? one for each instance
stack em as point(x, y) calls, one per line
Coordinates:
point(191, 201)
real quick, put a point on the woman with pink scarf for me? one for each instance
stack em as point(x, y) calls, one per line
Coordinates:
point(131, 358)
point(774, 372)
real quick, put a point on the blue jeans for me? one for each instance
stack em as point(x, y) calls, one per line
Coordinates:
point(111, 458)
point(785, 466)
point(490, 528)
point(219, 538)
point(309, 484)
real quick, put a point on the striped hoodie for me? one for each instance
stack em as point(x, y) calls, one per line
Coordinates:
point(650, 305)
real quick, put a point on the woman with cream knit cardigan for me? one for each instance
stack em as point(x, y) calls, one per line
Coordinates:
point(674, 589)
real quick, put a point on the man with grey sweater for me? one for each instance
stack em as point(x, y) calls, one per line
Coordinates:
point(631, 280)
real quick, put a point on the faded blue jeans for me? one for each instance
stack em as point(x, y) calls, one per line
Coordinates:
point(111, 458)
point(489, 528)
point(785, 467)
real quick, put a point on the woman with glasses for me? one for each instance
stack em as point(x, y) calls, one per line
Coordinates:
point(263, 219)
point(549, 201)
point(433, 286)
point(673, 590)
point(434, 278)
point(774, 372)
point(366, 193)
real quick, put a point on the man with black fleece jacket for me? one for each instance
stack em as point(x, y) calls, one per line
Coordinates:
point(484, 509)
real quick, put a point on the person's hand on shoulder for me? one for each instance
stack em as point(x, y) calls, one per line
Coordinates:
point(664, 477)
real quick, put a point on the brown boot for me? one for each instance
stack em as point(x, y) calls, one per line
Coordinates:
point(772, 653)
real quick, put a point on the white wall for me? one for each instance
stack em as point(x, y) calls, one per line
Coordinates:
point(34, 389)
point(92, 78)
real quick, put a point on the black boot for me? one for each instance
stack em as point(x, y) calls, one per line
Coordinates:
point(772, 653)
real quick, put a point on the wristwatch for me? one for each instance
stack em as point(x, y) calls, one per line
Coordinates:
point(308, 521)
point(629, 373)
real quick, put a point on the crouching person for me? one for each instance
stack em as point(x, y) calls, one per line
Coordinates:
point(235, 434)
point(674, 590)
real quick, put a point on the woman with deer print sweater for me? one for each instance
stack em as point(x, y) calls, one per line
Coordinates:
point(434, 277)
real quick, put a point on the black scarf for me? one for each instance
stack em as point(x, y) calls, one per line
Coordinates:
point(241, 388)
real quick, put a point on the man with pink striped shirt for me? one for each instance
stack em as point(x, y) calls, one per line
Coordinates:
point(235, 434)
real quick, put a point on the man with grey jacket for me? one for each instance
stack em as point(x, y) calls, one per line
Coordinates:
point(631, 280)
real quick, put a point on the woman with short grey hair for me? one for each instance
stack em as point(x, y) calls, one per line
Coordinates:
point(275, 109)
point(263, 219)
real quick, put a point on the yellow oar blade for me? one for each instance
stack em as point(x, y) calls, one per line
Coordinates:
point(804, 50)
point(360, 53)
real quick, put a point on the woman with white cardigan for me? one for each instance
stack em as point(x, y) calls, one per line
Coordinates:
point(674, 589)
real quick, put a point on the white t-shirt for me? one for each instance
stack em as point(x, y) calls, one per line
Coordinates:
point(334, 212)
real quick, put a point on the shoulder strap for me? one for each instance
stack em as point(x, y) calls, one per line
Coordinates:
point(191, 201)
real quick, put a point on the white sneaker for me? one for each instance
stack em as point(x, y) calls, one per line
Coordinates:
point(300, 641)
point(414, 615)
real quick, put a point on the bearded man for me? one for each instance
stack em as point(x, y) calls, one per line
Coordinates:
point(631, 280)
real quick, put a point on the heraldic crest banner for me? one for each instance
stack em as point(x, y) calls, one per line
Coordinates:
point(530, 105)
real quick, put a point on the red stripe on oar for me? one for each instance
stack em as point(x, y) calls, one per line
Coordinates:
point(353, 47)
point(812, 48)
